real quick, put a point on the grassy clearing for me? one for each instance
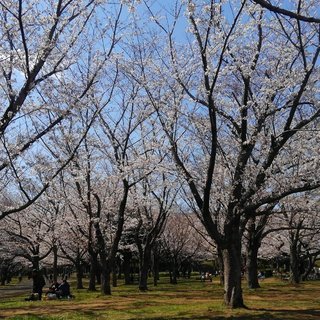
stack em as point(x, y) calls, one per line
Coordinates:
point(190, 299)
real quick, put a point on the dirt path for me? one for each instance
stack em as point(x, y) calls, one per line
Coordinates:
point(25, 286)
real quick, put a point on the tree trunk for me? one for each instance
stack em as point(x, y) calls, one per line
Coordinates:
point(126, 266)
point(252, 272)
point(93, 271)
point(119, 267)
point(143, 278)
point(3, 280)
point(155, 269)
point(220, 267)
point(232, 273)
point(114, 277)
point(4, 272)
point(144, 269)
point(115, 268)
point(36, 262)
point(79, 273)
point(310, 267)
point(252, 265)
point(108, 261)
point(174, 271)
point(98, 273)
point(255, 229)
point(105, 278)
point(294, 265)
point(55, 263)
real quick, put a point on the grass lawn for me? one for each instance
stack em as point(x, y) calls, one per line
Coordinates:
point(190, 299)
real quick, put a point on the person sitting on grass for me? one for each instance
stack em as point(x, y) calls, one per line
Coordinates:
point(63, 290)
point(51, 294)
point(54, 287)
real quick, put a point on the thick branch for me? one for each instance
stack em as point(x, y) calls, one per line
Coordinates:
point(285, 12)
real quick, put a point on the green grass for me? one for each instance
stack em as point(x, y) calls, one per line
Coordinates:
point(190, 299)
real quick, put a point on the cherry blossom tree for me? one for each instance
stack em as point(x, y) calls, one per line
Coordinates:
point(181, 242)
point(243, 88)
point(45, 80)
point(159, 194)
point(124, 134)
point(73, 247)
point(301, 238)
point(111, 161)
point(231, 104)
point(27, 237)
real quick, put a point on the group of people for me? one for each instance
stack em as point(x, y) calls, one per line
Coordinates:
point(206, 276)
point(59, 291)
point(55, 291)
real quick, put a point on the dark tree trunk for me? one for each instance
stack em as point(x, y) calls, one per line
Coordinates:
point(98, 274)
point(220, 266)
point(231, 256)
point(115, 268)
point(311, 265)
point(252, 249)
point(252, 266)
point(36, 262)
point(93, 271)
point(143, 278)
point(4, 274)
point(55, 263)
point(126, 266)
point(79, 273)
point(3, 279)
point(106, 265)
point(295, 277)
point(105, 278)
point(114, 277)
point(174, 271)
point(119, 268)
point(144, 269)
point(256, 228)
point(107, 261)
point(155, 269)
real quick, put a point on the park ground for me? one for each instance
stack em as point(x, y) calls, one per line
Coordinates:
point(190, 299)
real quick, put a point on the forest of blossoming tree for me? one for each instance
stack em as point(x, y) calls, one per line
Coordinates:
point(184, 130)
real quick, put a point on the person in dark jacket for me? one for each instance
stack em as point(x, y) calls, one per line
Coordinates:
point(64, 289)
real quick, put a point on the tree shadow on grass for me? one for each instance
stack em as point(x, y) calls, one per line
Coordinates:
point(309, 314)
